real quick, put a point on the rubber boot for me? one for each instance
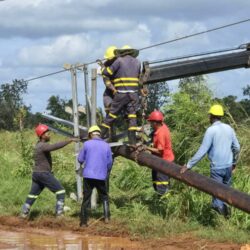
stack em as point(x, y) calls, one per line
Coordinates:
point(106, 211)
point(59, 208)
point(132, 137)
point(104, 133)
point(25, 211)
point(84, 216)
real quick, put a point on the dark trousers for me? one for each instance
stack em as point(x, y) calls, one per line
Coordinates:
point(40, 180)
point(161, 182)
point(222, 176)
point(89, 185)
point(127, 101)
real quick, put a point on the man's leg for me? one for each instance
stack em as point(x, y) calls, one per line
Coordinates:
point(161, 182)
point(36, 189)
point(227, 181)
point(217, 204)
point(49, 181)
point(102, 190)
point(117, 104)
point(87, 191)
point(131, 110)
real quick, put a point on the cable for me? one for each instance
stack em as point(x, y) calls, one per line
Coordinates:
point(42, 76)
point(196, 34)
point(151, 46)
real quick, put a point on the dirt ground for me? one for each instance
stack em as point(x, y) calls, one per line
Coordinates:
point(112, 232)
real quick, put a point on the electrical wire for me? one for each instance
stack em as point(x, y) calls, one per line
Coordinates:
point(149, 47)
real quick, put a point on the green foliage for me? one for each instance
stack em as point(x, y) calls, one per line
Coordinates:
point(26, 149)
point(186, 117)
point(11, 102)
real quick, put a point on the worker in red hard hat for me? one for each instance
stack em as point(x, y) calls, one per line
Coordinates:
point(42, 175)
point(162, 147)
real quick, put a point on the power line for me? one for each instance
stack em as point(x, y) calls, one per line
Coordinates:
point(151, 46)
point(49, 74)
point(196, 34)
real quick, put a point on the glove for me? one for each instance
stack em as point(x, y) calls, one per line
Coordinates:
point(99, 62)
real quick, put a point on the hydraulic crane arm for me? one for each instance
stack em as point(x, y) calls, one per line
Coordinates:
point(202, 65)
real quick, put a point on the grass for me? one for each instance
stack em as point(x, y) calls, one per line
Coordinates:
point(134, 204)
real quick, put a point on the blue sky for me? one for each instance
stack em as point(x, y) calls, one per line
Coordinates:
point(38, 36)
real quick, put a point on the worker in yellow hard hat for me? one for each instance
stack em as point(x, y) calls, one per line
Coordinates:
point(127, 50)
point(96, 156)
point(110, 90)
point(222, 147)
point(125, 72)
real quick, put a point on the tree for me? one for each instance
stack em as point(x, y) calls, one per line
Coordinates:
point(158, 95)
point(186, 117)
point(11, 102)
point(246, 91)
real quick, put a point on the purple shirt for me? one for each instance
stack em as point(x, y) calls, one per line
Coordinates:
point(97, 158)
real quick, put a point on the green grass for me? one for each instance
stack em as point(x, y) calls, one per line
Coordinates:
point(134, 204)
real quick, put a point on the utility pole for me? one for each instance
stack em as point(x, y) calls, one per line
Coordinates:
point(76, 130)
point(93, 122)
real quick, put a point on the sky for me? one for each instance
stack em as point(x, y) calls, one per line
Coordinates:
point(39, 36)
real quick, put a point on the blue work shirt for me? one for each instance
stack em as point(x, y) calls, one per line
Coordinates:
point(221, 145)
point(96, 156)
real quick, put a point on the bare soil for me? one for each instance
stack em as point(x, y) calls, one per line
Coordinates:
point(116, 233)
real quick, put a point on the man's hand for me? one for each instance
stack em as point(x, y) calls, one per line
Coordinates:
point(184, 168)
point(99, 62)
point(75, 139)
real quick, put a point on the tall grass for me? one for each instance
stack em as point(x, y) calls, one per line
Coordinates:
point(134, 203)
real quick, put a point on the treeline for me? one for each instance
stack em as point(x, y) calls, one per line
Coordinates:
point(16, 115)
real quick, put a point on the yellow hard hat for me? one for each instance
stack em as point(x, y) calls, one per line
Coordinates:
point(94, 128)
point(216, 110)
point(109, 53)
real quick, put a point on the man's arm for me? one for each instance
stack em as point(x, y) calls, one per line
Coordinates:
point(52, 147)
point(109, 71)
point(204, 148)
point(235, 149)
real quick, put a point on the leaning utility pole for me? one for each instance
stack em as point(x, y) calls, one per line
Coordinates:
point(205, 184)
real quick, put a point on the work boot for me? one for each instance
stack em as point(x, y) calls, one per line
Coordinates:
point(84, 217)
point(104, 132)
point(132, 137)
point(106, 211)
point(59, 208)
point(25, 211)
point(113, 134)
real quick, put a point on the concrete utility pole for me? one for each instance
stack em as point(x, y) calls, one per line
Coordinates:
point(205, 184)
point(76, 130)
point(93, 122)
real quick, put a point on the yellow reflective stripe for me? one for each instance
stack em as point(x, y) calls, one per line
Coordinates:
point(32, 196)
point(109, 70)
point(105, 125)
point(112, 115)
point(107, 82)
point(135, 79)
point(126, 84)
point(161, 182)
point(60, 192)
point(132, 128)
point(132, 116)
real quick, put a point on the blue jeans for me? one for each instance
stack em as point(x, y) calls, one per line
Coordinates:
point(222, 176)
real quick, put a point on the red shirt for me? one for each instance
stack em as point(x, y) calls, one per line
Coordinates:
point(162, 141)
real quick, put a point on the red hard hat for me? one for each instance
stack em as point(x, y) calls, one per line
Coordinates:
point(156, 116)
point(41, 129)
